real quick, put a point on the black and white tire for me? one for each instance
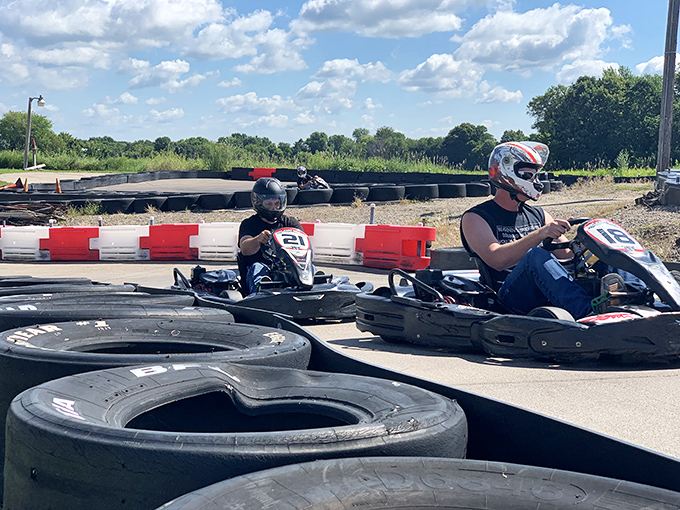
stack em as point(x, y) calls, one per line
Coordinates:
point(40, 353)
point(397, 483)
point(46, 312)
point(137, 437)
point(386, 192)
point(421, 191)
point(452, 190)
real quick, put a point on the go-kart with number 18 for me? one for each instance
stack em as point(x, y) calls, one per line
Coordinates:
point(458, 311)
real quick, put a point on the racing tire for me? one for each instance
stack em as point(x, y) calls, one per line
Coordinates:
point(63, 288)
point(348, 194)
point(41, 353)
point(386, 192)
point(242, 200)
point(477, 189)
point(215, 201)
point(291, 194)
point(552, 312)
point(556, 185)
point(135, 437)
point(396, 483)
point(180, 202)
point(142, 204)
point(314, 196)
point(452, 190)
point(421, 191)
point(43, 313)
point(546, 187)
point(117, 205)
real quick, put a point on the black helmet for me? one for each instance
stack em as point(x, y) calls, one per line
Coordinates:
point(271, 190)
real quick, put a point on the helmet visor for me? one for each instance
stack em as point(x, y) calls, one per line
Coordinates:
point(271, 202)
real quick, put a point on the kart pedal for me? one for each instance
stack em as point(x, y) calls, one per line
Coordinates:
point(612, 287)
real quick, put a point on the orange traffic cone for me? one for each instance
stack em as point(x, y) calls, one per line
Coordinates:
point(26, 184)
point(15, 185)
point(58, 186)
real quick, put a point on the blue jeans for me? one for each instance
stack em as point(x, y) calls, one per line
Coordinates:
point(540, 280)
point(254, 274)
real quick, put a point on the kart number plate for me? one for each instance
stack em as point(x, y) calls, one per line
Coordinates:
point(612, 235)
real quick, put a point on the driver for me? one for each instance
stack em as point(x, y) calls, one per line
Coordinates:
point(304, 180)
point(269, 200)
point(504, 234)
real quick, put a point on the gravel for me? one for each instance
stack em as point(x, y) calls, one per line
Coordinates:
point(657, 227)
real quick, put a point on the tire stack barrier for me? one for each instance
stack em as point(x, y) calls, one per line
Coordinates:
point(382, 246)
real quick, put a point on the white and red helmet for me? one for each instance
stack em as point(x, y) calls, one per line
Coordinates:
point(508, 158)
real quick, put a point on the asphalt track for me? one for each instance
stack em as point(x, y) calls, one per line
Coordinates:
point(636, 404)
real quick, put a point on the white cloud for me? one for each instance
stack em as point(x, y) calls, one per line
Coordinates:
point(330, 96)
point(124, 98)
point(444, 76)
point(100, 110)
point(274, 121)
point(346, 68)
point(381, 18)
point(84, 56)
point(155, 100)
point(231, 83)
point(653, 66)
point(279, 52)
point(305, 118)
point(253, 104)
point(370, 105)
point(538, 39)
point(167, 115)
point(571, 72)
point(165, 75)
point(497, 94)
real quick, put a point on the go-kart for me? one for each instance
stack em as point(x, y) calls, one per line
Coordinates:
point(459, 311)
point(294, 289)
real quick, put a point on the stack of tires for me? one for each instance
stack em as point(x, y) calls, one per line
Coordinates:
point(117, 398)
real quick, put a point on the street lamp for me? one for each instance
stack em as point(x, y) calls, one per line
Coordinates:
point(41, 102)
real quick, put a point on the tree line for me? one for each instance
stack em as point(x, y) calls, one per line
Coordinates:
point(606, 122)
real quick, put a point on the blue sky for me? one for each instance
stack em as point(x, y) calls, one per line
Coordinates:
point(181, 68)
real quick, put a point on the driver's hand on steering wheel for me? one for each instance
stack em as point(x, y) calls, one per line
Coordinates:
point(556, 228)
point(264, 236)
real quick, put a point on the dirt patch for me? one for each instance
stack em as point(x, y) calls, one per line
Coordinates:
point(656, 227)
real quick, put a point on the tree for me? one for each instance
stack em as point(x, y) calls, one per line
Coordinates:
point(359, 133)
point(193, 148)
point(13, 132)
point(317, 142)
point(387, 143)
point(468, 146)
point(510, 135)
point(341, 145)
point(162, 144)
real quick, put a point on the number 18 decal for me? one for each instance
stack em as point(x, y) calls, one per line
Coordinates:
point(609, 233)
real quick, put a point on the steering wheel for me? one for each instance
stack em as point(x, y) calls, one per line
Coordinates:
point(550, 244)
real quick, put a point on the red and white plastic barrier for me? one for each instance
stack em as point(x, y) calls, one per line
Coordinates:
point(383, 246)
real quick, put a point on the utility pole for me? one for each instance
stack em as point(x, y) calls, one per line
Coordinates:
point(666, 118)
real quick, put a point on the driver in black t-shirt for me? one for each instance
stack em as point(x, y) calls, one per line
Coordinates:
point(269, 200)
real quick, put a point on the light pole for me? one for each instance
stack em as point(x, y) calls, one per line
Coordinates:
point(41, 102)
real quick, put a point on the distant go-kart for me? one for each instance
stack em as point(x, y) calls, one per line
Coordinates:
point(294, 289)
point(457, 310)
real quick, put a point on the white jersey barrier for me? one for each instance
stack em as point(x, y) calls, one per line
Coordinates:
point(341, 243)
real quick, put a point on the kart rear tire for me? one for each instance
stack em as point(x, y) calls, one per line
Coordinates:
point(396, 483)
point(552, 312)
point(134, 438)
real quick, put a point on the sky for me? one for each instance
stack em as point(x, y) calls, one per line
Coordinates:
point(144, 69)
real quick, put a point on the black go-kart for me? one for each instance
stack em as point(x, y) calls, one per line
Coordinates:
point(458, 310)
point(293, 288)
